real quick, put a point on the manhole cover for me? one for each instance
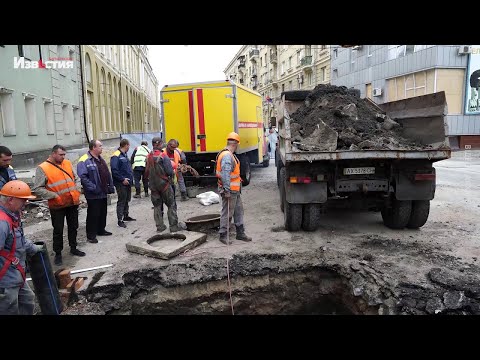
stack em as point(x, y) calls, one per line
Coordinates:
point(203, 222)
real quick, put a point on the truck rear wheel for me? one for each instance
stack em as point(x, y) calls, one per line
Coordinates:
point(419, 215)
point(266, 161)
point(398, 215)
point(281, 179)
point(311, 217)
point(279, 168)
point(245, 172)
point(293, 216)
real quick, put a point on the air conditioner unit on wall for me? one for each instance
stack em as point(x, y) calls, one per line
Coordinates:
point(377, 92)
point(464, 49)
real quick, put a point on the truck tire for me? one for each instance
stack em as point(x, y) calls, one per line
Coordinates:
point(397, 216)
point(419, 215)
point(292, 215)
point(281, 180)
point(311, 217)
point(245, 171)
point(279, 169)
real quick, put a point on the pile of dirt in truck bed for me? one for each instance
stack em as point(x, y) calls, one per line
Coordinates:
point(335, 118)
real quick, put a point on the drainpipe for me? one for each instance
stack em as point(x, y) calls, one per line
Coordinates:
point(122, 107)
point(83, 93)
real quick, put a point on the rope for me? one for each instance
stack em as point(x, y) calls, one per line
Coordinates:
point(49, 284)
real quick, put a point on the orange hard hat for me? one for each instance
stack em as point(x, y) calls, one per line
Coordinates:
point(233, 136)
point(17, 189)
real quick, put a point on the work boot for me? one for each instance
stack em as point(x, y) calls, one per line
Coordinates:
point(146, 194)
point(93, 240)
point(137, 196)
point(223, 238)
point(128, 218)
point(58, 259)
point(241, 234)
point(76, 252)
point(184, 196)
point(179, 227)
point(122, 224)
point(162, 228)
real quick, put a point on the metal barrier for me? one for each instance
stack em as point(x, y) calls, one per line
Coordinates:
point(135, 139)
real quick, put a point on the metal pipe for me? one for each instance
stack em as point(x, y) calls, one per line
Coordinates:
point(85, 270)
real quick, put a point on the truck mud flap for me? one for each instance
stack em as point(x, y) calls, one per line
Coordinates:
point(409, 189)
point(313, 193)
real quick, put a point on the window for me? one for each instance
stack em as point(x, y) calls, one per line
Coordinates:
point(415, 84)
point(7, 113)
point(310, 78)
point(369, 55)
point(398, 51)
point(261, 62)
point(323, 47)
point(298, 58)
point(49, 119)
point(88, 69)
point(335, 53)
point(265, 60)
point(30, 114)
point(290, 62)
point(66, 119)
point(290, 85)
point(421, 47)
point(323, 73)
point(335, 73)
point(76, 120)
point(353, 55)
point(282, 68)
point(283, 87)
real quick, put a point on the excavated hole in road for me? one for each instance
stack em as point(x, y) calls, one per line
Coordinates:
point(317, 291)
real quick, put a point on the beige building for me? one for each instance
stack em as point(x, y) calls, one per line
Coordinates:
point(271, 69)
point(121, 91)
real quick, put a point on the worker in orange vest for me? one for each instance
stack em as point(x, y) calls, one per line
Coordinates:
point(56, 180)
point(230, 188)
point(175, 157)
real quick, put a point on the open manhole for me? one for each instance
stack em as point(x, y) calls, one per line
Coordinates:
point(167, 239)
point(203, 222)
point(304, 292)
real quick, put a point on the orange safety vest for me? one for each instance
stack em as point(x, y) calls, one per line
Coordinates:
point(176, 156)
point(62, 183)
point(235, 179)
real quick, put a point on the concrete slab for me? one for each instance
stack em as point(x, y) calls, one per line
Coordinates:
point(176, 243)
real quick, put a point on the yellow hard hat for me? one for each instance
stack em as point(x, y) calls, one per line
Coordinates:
point(233, 136)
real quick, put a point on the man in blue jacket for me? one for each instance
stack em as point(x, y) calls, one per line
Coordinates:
point(97, 183)
point(6, 171)
point(16, 297)
point(122, 179)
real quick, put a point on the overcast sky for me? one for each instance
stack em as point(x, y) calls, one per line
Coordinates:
point(178, 64)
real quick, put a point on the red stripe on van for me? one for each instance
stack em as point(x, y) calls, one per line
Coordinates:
point(201, 119)
point(192, 120)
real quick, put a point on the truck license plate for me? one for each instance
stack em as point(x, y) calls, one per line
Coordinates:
point(359, 171)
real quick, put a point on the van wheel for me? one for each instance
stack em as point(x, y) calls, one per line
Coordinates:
point(311, 217)
point(266, 162)
point(245, 172)
point(398, 215)
point(419, 215)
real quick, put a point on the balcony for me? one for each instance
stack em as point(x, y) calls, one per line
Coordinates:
point(273, 58)
point(254, 53)
point(306, 62)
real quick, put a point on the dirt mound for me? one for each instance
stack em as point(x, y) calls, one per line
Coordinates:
point(358, 123)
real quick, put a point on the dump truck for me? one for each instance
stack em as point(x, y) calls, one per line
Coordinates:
point(200, 115)
point(399, 183)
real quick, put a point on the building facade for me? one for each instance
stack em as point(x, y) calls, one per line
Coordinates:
point(121, 91)
point(271, 69)
point(394, 72)
point(41, 101)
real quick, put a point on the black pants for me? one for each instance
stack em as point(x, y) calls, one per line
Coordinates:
point(58, 216)
point(96, 217)
point(124, 193)
point(139, 173)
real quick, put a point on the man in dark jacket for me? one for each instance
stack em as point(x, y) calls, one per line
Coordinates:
point(122, 179)
point(97, 183)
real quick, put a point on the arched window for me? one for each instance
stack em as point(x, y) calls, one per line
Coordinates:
point(88, 69)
